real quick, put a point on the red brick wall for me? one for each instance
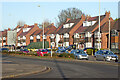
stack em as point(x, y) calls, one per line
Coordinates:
point(119, 41)
point(104, 41)
point(31, 32)
point(48, 39)
point(75, 28)
point(34, 39)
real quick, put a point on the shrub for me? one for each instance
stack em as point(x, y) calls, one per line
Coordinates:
point(89, 51)
point(45, 54)
point(61, 55)
point(71, 55)
point(101, 49)
point(37, 45)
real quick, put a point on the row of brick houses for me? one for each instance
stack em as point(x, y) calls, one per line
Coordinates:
point(82, 31)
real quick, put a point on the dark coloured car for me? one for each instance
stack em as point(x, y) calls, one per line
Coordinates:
point(4, 49)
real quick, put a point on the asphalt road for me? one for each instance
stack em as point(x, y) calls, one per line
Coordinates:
point(64, 69)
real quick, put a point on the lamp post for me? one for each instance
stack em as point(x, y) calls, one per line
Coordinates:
point(43, 30)
point(99, 26)
point(109, 31)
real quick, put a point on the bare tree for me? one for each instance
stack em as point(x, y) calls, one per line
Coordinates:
point(46, 22)
point(72, 13)
point(21, 23)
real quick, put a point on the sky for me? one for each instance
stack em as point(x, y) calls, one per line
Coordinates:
point(30, 13)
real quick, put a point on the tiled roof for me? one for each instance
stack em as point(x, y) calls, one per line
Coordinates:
point(25, 33)
point(113, 26)
point(67, 30)
point(50, 30)
point(92, 18)
point(81, 29)
point(90, 28)
point(36, 32)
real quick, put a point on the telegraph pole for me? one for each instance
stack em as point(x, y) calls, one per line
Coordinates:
point(43, 35)
point(109, 32)
point(99, 26)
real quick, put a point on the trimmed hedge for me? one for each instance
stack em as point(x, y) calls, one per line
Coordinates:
point(38, 45)
point(66, 55)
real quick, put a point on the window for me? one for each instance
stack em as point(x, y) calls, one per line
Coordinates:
point(114, 33)
point(114, 45)
point(4, 41)
point(38, 40)
point(31, 41)
point(18, 41)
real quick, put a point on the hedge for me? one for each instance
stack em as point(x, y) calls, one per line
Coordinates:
point(38, 45)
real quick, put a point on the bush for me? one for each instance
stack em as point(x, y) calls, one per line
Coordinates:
point(61, 55)
point(45, 54)
point(66, 55)
point(89, 51)
point(37, 45)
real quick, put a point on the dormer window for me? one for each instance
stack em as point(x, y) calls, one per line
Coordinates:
point(26, 29)
point(114, 33)
point(68, 25)
point(31, 37)
point(88, 23)
point(18, 29)
point(66, 35)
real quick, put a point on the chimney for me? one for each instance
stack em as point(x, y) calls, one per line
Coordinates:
point(35, 24)
point(9, 29)
point(107, 13)
point(25, 26)
point(52, 24)
point(87, 17)
point(83, 16)
point(68, 19)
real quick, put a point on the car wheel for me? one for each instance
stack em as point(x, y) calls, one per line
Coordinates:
point(87, 59)
point(116, 60)
point(104, 59)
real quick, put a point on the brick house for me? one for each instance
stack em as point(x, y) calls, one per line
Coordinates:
point(24, 36)
point(87, 34)
point(91, 35)
point(115, 35)
point(38, 34)
point(3, 37)
point(64, 34)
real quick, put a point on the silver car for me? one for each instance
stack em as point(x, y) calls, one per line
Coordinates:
point(106, 55)
point(80, 54)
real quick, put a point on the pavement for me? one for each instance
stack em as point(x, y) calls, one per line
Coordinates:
point(11, 69)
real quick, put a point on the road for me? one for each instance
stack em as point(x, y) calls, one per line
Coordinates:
point(67, 69)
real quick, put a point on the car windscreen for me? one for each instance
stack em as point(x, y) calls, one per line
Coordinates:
point(80, 52)
point(25, 50)
point(44, 50)
point(108, 52)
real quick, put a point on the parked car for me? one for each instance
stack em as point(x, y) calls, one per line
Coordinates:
point(71, 47)
point(73, 51)
point(48, 51)
point(62, 51)
point(80, 54)
point(41, 52)
point(106, 55)
point(24, 50)
point(4, 49)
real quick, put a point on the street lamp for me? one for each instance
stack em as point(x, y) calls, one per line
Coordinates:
point(43, 30)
